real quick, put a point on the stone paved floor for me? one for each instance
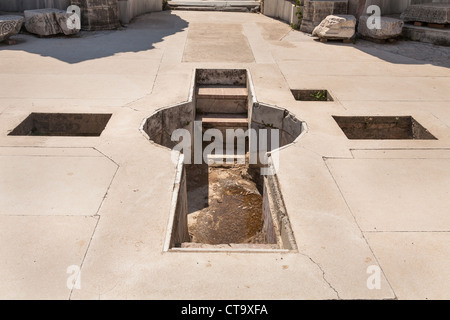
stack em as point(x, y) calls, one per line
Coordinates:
point(102, 204)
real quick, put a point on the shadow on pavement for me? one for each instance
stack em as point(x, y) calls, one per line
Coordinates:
point(407, 52)
point(141, 35)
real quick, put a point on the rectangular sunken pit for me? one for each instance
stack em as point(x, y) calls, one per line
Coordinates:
point(62, 124)
point(383, 128)
point(232, 207)
point(312, 95)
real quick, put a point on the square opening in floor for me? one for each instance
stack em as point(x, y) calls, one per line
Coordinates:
point(383, 128)
point(312, 95)
point(62, 124)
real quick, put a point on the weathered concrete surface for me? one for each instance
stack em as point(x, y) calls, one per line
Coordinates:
point(42, 252)
point(212, 42)
point(46, 22)
point(9, 26)
point(422, 258)
point(336, 27)
point(39, 174)
point(430, 13)
point(315, 11)
point(401, 180)
point(116, 72)
point(390, 28)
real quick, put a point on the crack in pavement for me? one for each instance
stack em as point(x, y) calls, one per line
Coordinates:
point(323, 274)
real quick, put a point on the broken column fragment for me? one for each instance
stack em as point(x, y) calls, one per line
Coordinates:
point(339, 27)
point(47, 22)
point(9, 26)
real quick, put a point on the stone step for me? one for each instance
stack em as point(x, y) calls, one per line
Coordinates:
point(226, 99)
point(425, 34)
point(233, 120)
point(223, 9)
point(243, 246)
point(226, 106)
point(225, 159)
point(213, 5)
point(222, 92)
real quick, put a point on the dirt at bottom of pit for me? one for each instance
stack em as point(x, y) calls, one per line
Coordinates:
point(225, 205)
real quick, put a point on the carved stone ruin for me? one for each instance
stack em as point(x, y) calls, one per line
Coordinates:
point(438, 13)
point(47, 22)
point(98, 14)
point(9, 26)
point(315, 11)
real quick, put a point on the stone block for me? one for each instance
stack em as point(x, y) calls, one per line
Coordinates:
point(336, 27)
point(42, 22)
point(315, 11)
point(9, 26)
point(438, 13)
point(390, 28)
point(47, 22)
point(270, 8)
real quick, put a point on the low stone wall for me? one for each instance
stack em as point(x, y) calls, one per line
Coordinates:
point(276, 217)
point(271, 117)
point(237, 77)
point(268, 226)
point(284, 10)
point(129, 9)
point(178, 222)
point(180, 232)
point(160, 125)
point(398, 6)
